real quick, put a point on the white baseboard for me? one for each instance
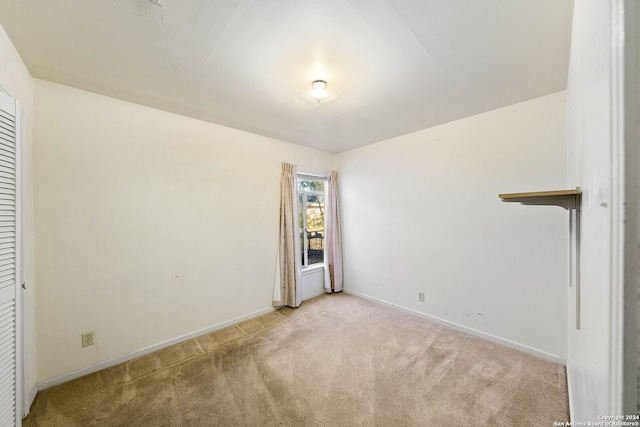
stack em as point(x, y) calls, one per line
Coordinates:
point(43, 385)
point(60, 379)
point(30, 398)
point(570, 390)
point(471, 331)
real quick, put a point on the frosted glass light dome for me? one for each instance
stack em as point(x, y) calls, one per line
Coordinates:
point(319, 92)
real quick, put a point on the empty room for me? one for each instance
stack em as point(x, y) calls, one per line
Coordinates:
point(319, 213)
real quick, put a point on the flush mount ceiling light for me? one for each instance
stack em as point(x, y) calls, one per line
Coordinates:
point(319, 92)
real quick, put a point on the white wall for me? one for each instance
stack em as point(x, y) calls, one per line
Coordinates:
point(16, 80)
point(632, 208)
point(596, 157)
point(150, 225)
point(589, 126)
point(633, 77)
point(312, 283)
point(421, 213)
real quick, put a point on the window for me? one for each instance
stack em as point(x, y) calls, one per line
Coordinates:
point(311, 207)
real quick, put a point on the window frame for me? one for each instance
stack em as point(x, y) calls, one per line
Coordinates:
point(301, 176)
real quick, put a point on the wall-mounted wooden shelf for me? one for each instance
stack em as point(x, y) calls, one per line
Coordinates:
point(567, 199)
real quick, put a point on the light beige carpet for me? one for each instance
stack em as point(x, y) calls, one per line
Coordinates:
point(338, 360)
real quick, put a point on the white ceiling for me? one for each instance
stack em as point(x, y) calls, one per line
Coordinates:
point(397, 65)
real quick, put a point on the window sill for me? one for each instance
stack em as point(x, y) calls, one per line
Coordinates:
point(312, 269)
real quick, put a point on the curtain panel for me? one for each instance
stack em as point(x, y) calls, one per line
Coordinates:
point(333, 244)
point(286, 289)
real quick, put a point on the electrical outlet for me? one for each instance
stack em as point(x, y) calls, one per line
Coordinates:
point(421, 296)
point(87, 339)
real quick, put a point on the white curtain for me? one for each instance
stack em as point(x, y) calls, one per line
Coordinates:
point(286, 290)
point(332, 243)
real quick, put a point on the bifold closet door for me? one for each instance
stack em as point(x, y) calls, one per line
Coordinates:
point(10, 413)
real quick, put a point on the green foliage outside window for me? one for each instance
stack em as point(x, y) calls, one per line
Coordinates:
point(315, 204)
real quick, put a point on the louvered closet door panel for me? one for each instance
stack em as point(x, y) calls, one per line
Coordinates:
point(8, 253)
point(8, 363)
